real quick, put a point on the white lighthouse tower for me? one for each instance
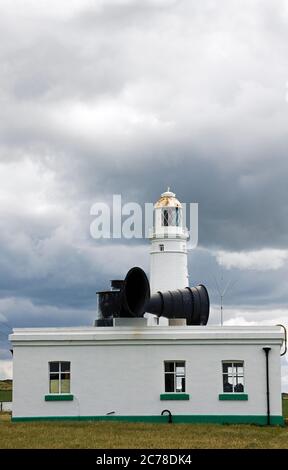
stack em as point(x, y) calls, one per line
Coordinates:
point(168, 255)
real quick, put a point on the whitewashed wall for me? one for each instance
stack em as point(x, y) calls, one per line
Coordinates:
point(168, 268)
point(129, 379)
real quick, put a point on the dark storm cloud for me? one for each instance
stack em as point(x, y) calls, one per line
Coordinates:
point(127, 97)
point(237, 146)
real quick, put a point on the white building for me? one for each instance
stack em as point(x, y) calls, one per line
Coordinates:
point(136, 370)
point(135, 373)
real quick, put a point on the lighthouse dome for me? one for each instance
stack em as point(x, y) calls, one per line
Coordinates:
point(168, 199)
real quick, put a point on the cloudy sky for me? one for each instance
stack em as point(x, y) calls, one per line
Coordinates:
point(103, 97)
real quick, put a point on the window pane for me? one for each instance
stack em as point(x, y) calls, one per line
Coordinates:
point(165, 217)
point(169, 383)
point(227, 383)
point(65, 366)
point(239, 370)
point(65, 376)
point(54, 366)
point(178, 216)
point(54, 383)
point(54, 376)
point(172, 218)
point(239, 387)
point(180, 384)
point(65, 385)
point(226, 365)
point(169, 366)
point(180, 371)
point(227, 388)
point(183, 384)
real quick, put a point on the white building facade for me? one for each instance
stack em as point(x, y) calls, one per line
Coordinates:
point(148, 370)
point(199, 374)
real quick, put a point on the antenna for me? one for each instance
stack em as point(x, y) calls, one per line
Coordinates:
point(222, 291)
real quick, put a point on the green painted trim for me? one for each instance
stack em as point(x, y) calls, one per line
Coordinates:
point(212, 419)
point(233, 396)
point(174, 396)
point(59, 397)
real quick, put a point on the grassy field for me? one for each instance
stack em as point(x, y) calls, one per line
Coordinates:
point(285, 407)
point(5, 390)
point(6, 384)
point(118, 435)
point(5, 395)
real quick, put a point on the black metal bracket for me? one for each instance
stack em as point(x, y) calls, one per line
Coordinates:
point(169, 413)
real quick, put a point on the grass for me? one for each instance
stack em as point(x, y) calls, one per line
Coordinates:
point(285, 407)
point(5, 395)
point(5, 390)
point(117, 435)
point(6, 384)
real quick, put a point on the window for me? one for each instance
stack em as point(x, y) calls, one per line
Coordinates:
point(178, 217)
point(233, 377)
point(165, 217)
point(172, 216)
point(59, 377)
point(161, 247)
point(174, 372)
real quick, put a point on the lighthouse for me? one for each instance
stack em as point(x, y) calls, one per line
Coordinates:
point(168, 255)
point(154, 352)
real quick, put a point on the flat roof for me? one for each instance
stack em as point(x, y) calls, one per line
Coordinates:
point(148, 334)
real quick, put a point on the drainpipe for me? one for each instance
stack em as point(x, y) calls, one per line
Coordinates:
point(267, 350)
